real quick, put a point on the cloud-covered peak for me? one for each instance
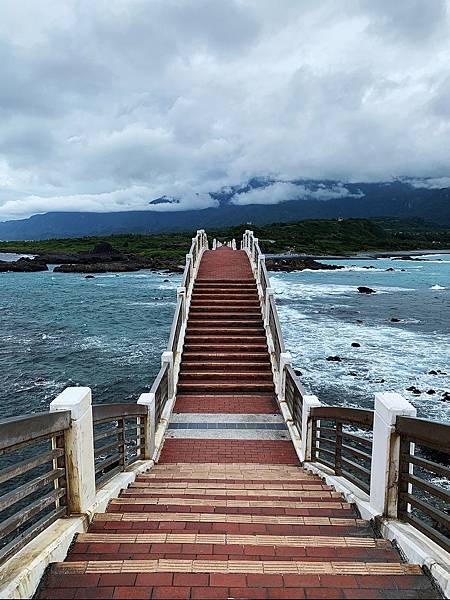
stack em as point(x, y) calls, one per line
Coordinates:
point(108, 106)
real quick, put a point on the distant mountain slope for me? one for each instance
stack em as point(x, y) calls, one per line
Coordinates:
point(363, 200)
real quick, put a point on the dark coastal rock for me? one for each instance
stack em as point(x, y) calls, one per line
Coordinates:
point(23, 265)
point(362, 289)
point(89, 277)
point(390, 270)
point(298, 264)
point(394, 320)
point(356, 345)
point(381, 380)
point(353, 373)
point(298, 372)
point(130, 265)
point(334, 359)
point(414, 390)
point(407, 257)
point(446, 397)
point(432, 372)
point(431, 392)
point(359, 321)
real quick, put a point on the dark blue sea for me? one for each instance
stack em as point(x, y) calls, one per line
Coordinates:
point(108, 333)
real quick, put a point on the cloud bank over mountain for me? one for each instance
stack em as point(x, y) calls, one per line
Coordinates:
point(111, 104)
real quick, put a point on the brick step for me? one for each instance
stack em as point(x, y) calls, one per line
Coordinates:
point(225, 297)
point(226, 404)
point(251, 285)
point(199, 539)
point(221, 304)
point(237, 282)
point(211, 386)
point(226, 332)
point(303, 486)
point(253, 327)
point(225, 357)
point(238, 343)
point(146, 488)
point(241, 308)
point(237, 498)
point(235, 336)
point(234, 567)
point(198, 365)
point(219, 376)
point(245, 506)
point(114, 526)
point(196, 315)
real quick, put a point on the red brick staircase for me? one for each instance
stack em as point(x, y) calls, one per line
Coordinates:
point(229, 512)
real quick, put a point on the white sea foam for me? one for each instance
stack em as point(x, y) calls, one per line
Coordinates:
point(437, 287)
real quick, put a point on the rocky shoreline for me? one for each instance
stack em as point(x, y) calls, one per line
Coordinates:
point(298, 264)
point(104, 258)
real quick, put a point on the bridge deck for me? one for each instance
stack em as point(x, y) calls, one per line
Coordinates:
point(229, 512)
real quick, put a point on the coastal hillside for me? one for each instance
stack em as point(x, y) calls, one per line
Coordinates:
point(315, 236)
point(260, 201)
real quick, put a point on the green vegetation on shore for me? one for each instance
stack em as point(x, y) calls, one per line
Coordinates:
point(317, 236)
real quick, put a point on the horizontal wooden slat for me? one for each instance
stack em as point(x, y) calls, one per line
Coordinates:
point(343, 414)
point(362, 485)
point(28, 488)
point(101, 435)
point(429, 465)
point(106, 477)
point(117, 411)
point(359, 439)
point(30, 428)
point(30, 533)
point(356, 467)
point(104, 464)
point(432, 489)
point(430, 433)
point(29, 464)
point(17, 519)
point(430, 532)
point(436, 514)
point(356, 452)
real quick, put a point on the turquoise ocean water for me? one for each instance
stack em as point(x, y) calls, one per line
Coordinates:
point(108, 333)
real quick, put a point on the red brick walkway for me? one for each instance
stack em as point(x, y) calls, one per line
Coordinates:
point(229, 512)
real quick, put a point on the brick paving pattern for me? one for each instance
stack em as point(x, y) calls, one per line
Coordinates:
point(222, 515)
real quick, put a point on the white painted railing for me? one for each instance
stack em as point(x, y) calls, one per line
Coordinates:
point(161, 397)
point(360, 451)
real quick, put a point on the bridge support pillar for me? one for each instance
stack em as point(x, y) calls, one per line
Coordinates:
point(309, 402)
point(270, 292)
point(167, 358)
point(386, 452)
point(79, 443)
point(148, 400)
point(285, 359)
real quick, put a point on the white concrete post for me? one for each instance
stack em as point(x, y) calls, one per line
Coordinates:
point(261, 261)
point(167, 359)
point(214, 246)
point(233, 244)
point(148, 400)
point(270, 293)
point(181, 293)
point(285, 359)
point(386, 452)
point(309, 402)
point(80, 459)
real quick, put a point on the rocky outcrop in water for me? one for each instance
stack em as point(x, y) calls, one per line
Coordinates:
point(23, 265)
point(298, 264)
point(362, 289)
point(104, 258)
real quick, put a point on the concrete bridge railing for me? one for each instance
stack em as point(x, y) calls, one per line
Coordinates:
point(393, 465)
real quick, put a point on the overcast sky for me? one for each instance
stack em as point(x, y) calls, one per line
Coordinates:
point(108, 104)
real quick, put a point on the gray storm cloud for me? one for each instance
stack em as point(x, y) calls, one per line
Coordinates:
point(108, 105)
